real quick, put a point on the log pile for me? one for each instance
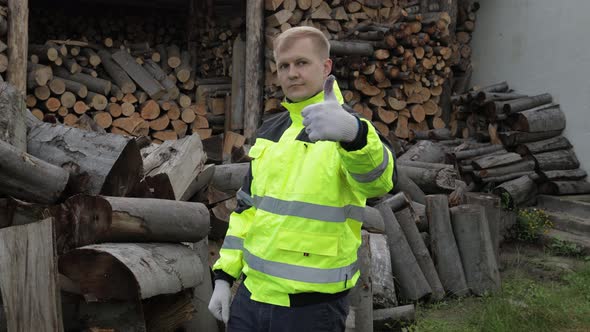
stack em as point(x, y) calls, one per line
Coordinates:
point(132, 75)
point(392, 59)
point(110, 221)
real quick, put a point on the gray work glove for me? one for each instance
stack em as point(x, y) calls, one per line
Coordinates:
point(328, 121)
point(220, 300)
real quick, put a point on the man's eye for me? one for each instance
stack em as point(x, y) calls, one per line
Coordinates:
point(301, 63)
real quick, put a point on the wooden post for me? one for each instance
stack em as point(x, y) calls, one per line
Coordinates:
point(18, 40)
point(361, 297)
point(254, 67)
point(238, 84)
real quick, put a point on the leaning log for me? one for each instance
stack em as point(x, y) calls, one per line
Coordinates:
point(373, 221)
point(361, 297)
point(445, 253)
point(493, 213)
point(408, 186)
point(12, 117)
point(407, 221)
point(105, 164)
point(175, 164)
point(128, 271)
point(29, 178)
point(556, 160)
point(29, 278)
point(548, 119)
point(97, 219)
point(565, 188)
point(546, 145)
point(381, 273)
point(117, 73)
point(475, 246)
point(412, 283)
point(517, 192)
point(149, 84)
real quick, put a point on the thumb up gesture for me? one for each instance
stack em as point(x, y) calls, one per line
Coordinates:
point(328, 121)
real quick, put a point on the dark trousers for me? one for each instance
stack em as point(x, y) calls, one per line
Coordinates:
point(247, 315)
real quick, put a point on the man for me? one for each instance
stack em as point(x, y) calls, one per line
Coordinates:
point(297, 227)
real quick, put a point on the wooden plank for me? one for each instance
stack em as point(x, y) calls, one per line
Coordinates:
point(149, 84)
point(29, 277)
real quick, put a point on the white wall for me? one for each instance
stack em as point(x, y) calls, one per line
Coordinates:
point(539, 46)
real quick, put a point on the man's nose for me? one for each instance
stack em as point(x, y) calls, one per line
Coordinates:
point(293, 72)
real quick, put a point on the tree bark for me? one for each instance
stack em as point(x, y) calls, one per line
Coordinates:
point(521, 166)
point(559, 175)
point(229, 177)
point(98, 163)
point(340, 48)
point(556, 160)
point(28, 178)
point(412, 283)
point(254, 67)
point(149, 84)
point(373, 221)
point(522, 104)
point(93, 84)
point(424, 151)
point(383, 319)
point(12, 117)
point(431, 180)
point(177, 163)
point(238, 84)
point(512, 138)
point(445, 253)
point(381, 273)
point(361, 297)
point(29, 278)
point(548, 119)
point(127, 271)
point(407, 221)
point(496, 160)
point(407, 185)
point(475, 246)
point(493, 213)
point(87, 220)
point(117, 73)
point(551, 144)
point(466, 154)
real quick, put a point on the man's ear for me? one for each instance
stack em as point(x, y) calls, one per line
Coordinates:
point(327, 67)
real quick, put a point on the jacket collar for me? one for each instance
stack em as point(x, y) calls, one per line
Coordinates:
point(296, 108)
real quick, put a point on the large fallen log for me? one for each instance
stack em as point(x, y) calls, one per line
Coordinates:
point(383, 319)
point(106, 164)
point(407, 221)
point(12, 118)
point(475, 246)
point(548, 119)
point(29, 278)
point(97, 219)
point(29, 178)
point(128, 271)
point(175, 164)
point(381, 273)
point(406, 185)
point(445, 253)
point(412, 283)
point(431, 181)
point(518, 192)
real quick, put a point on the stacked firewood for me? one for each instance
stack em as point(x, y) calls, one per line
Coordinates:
point(391, 59)
point(462, 69)
point(3, 41)
point(117, 219)
point(529, 155)
point(129, 80)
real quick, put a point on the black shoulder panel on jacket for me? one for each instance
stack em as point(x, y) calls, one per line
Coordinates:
point(273, 128)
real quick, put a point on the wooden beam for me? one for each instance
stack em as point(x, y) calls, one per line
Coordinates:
point(254, 67)
point(18, 40)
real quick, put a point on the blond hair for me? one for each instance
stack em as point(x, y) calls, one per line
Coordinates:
point(319, 40)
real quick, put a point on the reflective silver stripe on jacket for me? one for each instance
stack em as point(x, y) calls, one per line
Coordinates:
point(300, 273)
point(233, 242)
point(308, 210)
point(375, 173)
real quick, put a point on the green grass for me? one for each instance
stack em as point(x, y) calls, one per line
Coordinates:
point(524, 304)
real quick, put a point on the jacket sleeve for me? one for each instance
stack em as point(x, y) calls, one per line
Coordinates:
point(229, 265)
point(369, 162)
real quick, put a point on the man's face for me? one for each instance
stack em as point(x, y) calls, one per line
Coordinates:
point(301, 70)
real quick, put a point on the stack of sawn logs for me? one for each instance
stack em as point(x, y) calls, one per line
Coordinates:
point(130, 78)
point(131, 247)
point(529, 155)
point(391, 59)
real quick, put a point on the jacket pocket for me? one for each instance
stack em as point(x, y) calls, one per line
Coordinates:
point(308, 243)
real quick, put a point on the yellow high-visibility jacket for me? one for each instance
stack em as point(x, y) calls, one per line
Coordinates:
point(297, 227)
